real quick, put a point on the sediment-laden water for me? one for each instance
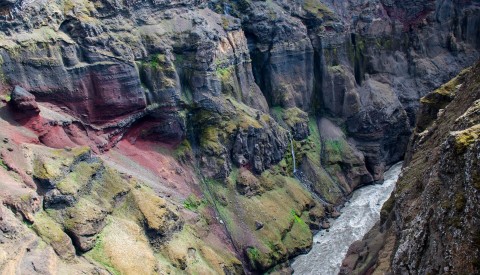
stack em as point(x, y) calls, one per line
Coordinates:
point(358, 216)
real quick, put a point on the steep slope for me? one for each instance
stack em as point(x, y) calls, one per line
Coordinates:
point(192, 106)
point(430, 224)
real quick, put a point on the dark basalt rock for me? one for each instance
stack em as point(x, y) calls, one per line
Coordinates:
point(258, 148)
point(23, 101)
point(258, 225)
point(7, 3)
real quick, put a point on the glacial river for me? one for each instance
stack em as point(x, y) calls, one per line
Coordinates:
point(358, 217)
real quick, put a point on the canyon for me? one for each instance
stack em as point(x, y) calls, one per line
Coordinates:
point(215, 137)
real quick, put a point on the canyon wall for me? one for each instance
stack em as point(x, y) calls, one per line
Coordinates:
point(191, 106)
point(430, 223)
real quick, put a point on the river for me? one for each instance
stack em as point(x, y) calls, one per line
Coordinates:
point(357, 218)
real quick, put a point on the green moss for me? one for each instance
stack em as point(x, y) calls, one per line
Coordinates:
point(225, 23)
point(184, 152)
point(83, 212)
point(105, 188)
point(334, 146)
point(52, 233)
point(317, 8)
point(193, 202)
point(293, 116)
point(160, 70)
point(337, 69)
point(281, 204)
point(388, 206)
point(463, 139)
point(216, 130)
point(439, 98)
point(253, 256)
point(78, 178)
point(299, 238)
point(52, 164)
point(3, 165)
point(98, 255)
point(225, 73)
point(48, 229)
point(296, 218)
point(210, 140)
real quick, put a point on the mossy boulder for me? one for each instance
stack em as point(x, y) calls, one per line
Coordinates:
point(247, 184)
point(159, 220)
point(49, 164)
point(52, 233)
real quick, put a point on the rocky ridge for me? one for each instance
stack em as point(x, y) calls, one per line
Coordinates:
point(193, 101)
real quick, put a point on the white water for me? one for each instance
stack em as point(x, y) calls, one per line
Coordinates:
point(358, 217)
point(293, 153)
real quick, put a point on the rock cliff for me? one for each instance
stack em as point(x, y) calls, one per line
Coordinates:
point(167, 126)
point(430, 223)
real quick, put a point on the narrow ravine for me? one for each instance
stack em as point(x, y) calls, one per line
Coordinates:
point(358, 216)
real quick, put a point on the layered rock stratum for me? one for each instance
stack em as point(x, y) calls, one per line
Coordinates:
point(155, 136)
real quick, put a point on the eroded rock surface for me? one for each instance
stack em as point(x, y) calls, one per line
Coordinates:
point(430, 224)
point(202, 102)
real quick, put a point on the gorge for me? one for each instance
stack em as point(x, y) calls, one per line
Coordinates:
point(216, 137)
point(357, 217)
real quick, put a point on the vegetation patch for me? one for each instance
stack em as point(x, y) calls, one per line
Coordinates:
point(317, 8)
point(192, 203)
point(184, 152)
point(3, 165)
point(253, 256)
point(463, 139)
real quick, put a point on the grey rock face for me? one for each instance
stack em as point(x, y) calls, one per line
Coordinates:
point(372, 61)
point(258, 149)
point(24, 101)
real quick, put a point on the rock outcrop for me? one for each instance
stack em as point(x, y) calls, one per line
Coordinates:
point(24, 101)
point(430, 224)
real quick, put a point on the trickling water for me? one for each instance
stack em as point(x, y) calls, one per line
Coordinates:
point(358, 216)
point(332, 82)
point(293, 153)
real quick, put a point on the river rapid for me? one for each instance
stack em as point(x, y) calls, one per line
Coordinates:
point(357, 218)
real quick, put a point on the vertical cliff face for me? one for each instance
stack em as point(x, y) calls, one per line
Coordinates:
point(199, 103)
point(430, 224)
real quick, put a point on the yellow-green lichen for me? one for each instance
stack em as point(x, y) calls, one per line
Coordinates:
point(463, 139)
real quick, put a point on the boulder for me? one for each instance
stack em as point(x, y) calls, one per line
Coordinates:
point(24, 101)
